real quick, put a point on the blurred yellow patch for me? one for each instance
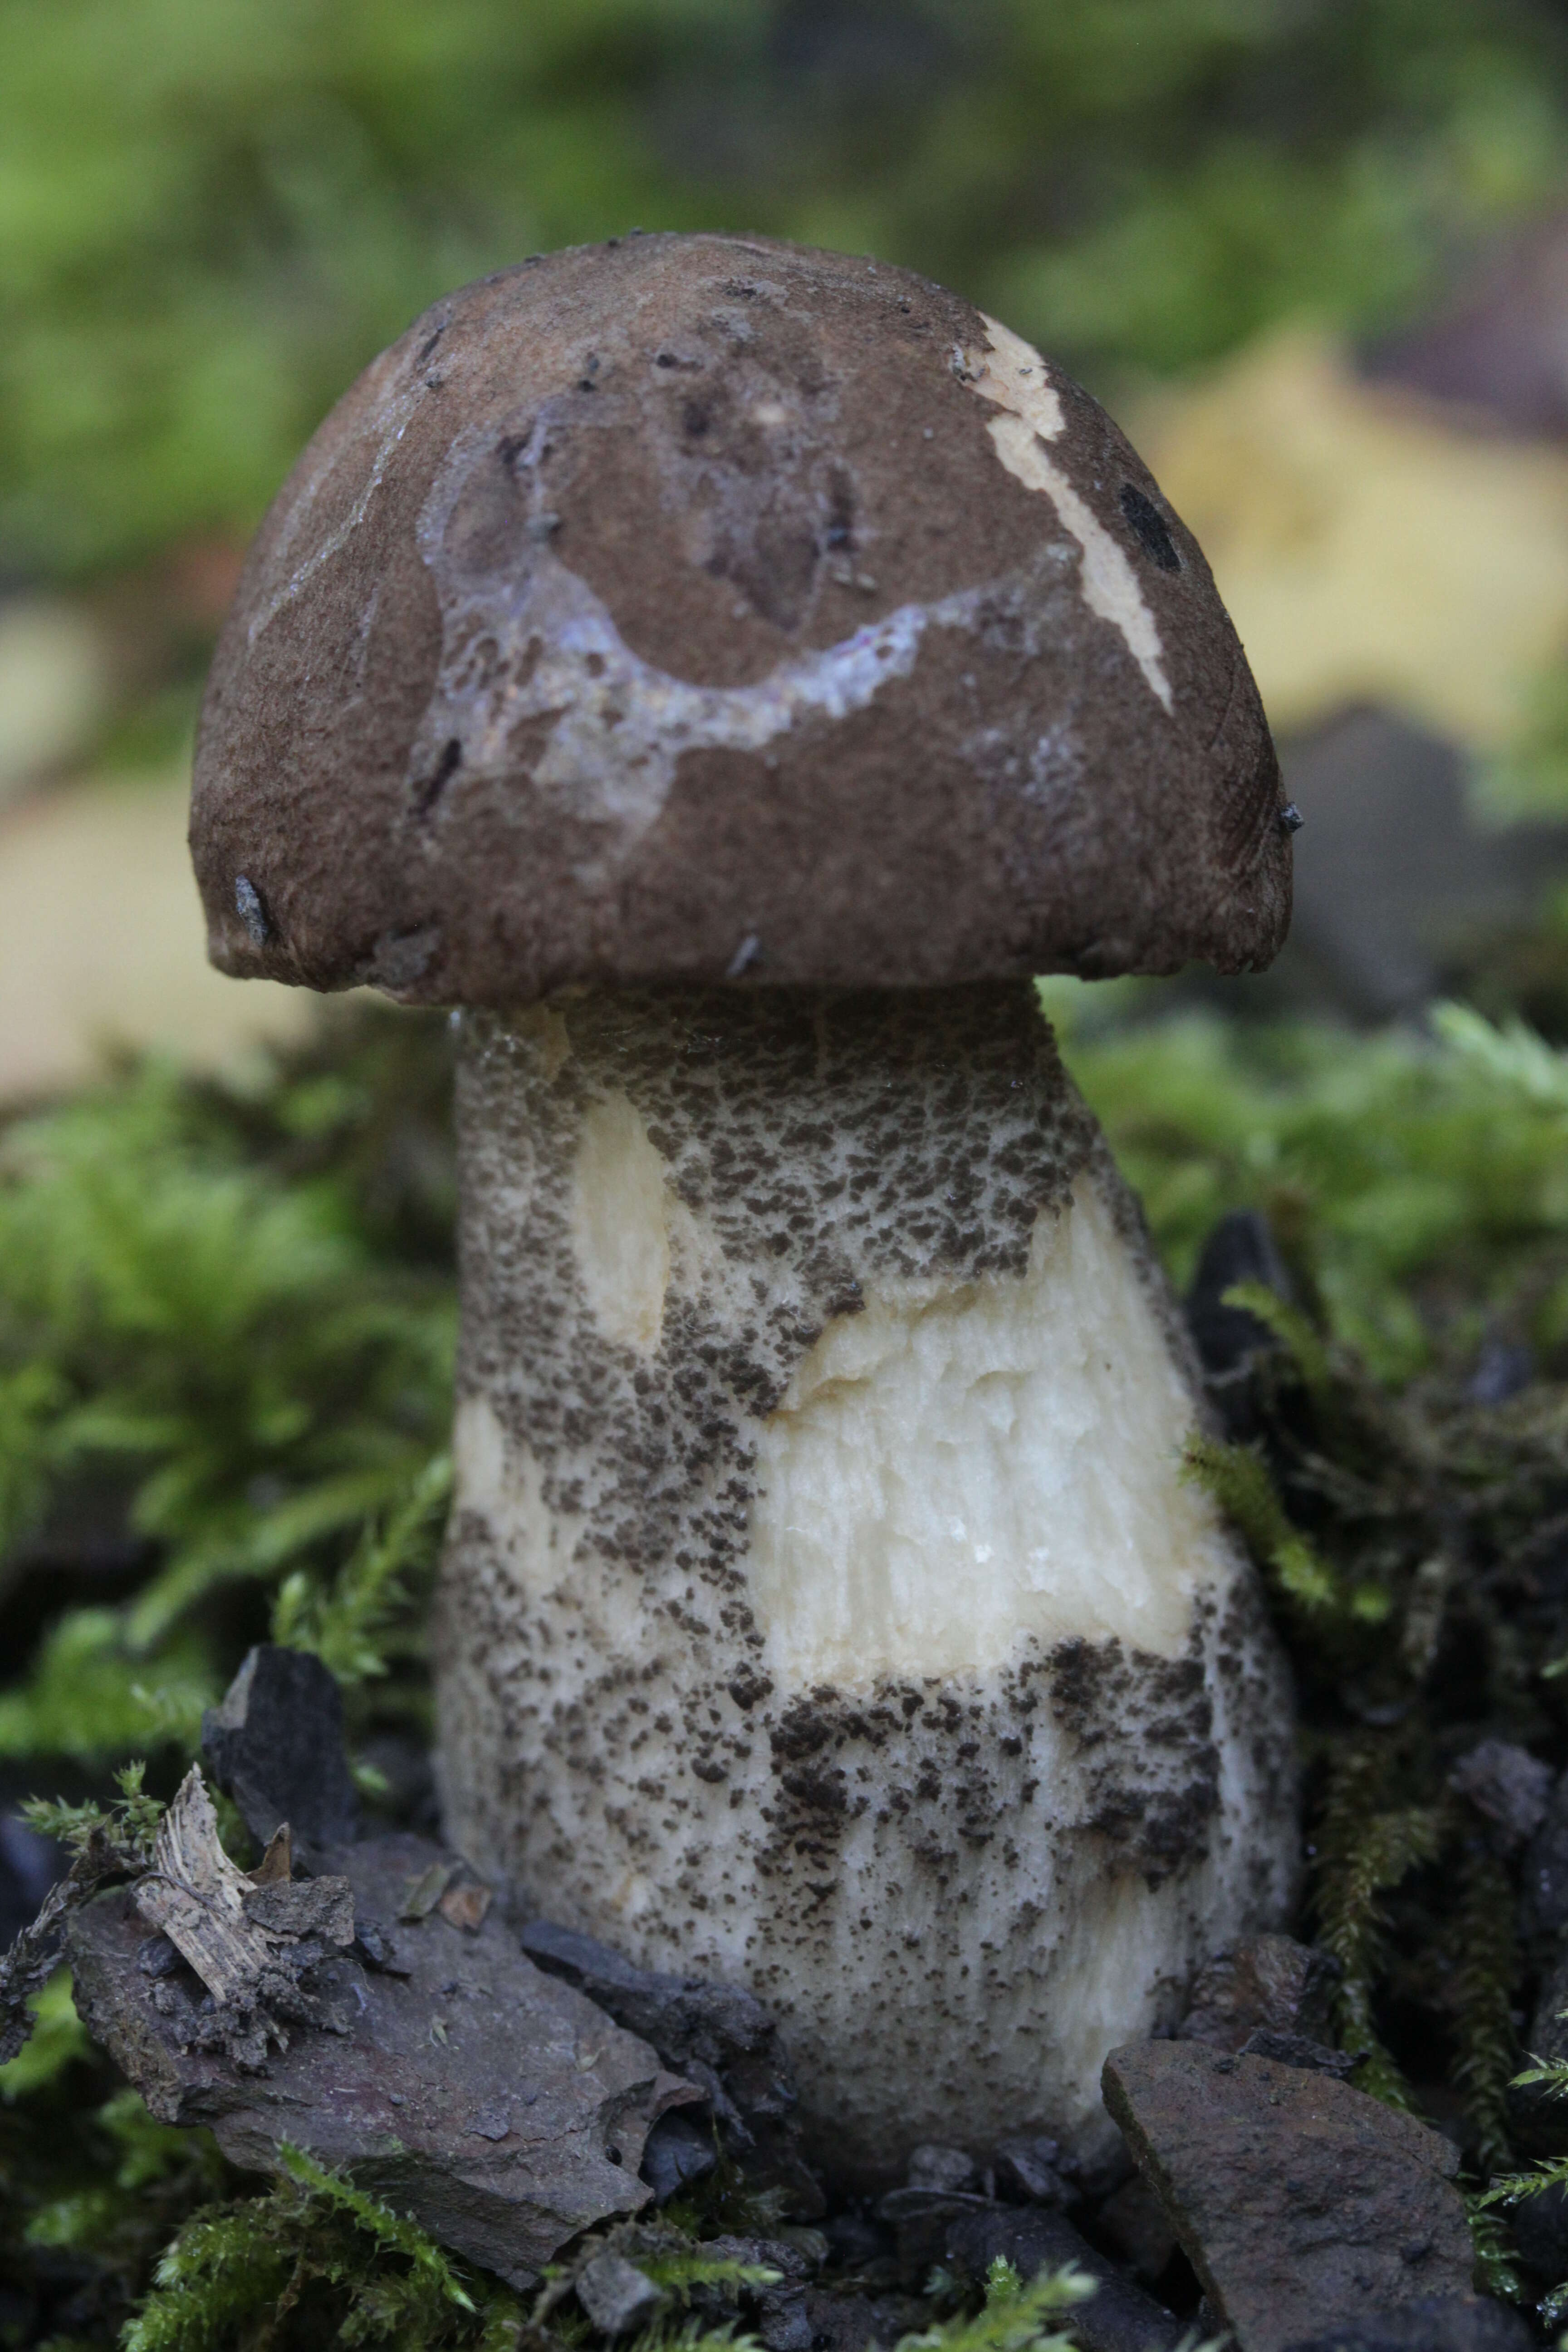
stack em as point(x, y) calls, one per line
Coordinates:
point(102, 942)
point(1370, 549)
point(55, 688)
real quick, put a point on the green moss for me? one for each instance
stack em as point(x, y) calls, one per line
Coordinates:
point(1485, 1971)
point(129, 1822)
point(315, 2239)
point(358, 1622)
point(92, 1695)
point(212, 1344)
point(1014, 2317)
point(1239, 1480)
point(1386, 1162)
point(1365, 1847)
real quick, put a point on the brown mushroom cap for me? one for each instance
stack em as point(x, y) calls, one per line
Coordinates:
point(693, 607)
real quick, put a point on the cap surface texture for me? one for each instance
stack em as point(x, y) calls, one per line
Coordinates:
point(698, 608)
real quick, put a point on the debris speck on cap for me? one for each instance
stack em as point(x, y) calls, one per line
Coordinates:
point(250, 910)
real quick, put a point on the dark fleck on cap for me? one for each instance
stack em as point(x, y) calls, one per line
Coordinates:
point(698, 608)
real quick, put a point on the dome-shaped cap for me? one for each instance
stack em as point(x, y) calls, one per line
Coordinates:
point(698, 606)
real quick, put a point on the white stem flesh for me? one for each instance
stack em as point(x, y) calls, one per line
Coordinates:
point(824, 1608)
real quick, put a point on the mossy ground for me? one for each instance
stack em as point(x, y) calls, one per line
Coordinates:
point(226, 1338)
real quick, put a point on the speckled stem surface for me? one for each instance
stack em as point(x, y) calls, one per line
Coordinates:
point(965, 1812)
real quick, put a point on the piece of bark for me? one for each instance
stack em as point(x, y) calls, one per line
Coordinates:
point(278, 1862)
point(275, 1744)
point(1269, 1982)
point(465, 1904)
point(690, 2021)
point(1300, 2049)
point(376, 1949)
point(256, 1947)
point(717, 2035)
point(195, 1895)
point(310, 1906)
point(499, 2106)
point(1301, 2203)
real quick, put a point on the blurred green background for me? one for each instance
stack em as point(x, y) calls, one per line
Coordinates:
point(213, 212)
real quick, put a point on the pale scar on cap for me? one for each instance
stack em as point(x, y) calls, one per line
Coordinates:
point(1014, 377)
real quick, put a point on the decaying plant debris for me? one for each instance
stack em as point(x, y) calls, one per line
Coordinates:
point(492, 2105)
point(255, 1940)
point(223, 1337)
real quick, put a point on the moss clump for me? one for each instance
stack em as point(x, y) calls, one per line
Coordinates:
point(226, 1327)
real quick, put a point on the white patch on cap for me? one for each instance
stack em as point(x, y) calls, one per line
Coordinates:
point(1017, 380)
point(536, 645)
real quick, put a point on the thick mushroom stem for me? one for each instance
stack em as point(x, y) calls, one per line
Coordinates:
point(823, 1607)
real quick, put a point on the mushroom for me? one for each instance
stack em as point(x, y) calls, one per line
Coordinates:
point(727, 672)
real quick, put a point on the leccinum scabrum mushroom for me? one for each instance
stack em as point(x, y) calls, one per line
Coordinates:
point(729, 672)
